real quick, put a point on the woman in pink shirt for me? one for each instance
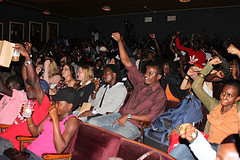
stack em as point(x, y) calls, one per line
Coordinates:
point(57, 129)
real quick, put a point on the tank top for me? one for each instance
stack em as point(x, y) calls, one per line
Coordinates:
point(44, 143)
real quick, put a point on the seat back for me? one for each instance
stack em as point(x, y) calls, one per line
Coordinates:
point(91, 143)
point(130, 150)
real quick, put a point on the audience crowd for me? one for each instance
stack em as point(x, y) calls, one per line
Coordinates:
point(126, 80)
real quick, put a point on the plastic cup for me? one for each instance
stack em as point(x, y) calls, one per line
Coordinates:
point(15, 56)
point(28, 112)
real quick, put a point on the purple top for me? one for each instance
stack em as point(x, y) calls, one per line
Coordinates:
point(44, 143)
point(145, 100)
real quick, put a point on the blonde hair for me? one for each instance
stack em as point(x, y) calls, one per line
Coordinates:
point(88, 76)
point(53, 68)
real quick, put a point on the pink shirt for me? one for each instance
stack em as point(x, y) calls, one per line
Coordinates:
point(19, 127)
point(11, 106)
point(44, 143)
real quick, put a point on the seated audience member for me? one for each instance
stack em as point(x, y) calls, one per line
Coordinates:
point(35, 92)
point(229, 148)
point(84, 86)
point(196, 55)
point(57, 129)
point(97, 69)
point(171, 81)
point(13, 99)
point(68, 79)
point(147, 101)
point(223, 118)
point(191, 75)
point(50, 74)
point(109, 97)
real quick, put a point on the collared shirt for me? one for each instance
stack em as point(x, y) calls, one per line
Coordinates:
point(223, 125)
point(145, 100)
point(113, 99)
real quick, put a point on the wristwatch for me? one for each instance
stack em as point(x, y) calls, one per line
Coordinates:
point(94, 112)
point(27, 63)
point(129, 116)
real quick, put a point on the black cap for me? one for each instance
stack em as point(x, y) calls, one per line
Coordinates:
point(68, 94)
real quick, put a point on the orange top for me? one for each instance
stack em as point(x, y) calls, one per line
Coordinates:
point(223, 125)
point(169, 95)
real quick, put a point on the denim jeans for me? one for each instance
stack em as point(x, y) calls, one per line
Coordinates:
point(4, 144)
point(182, 152)
point(129, 130)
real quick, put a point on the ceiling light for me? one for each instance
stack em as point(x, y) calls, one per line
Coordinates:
point(46, 12)
point(184, 1)
point(106, 8)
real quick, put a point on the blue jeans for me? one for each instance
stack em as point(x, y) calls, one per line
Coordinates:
point(129, 130)
point(4, 144)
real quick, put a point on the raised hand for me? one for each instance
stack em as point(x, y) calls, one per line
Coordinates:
point(188, 131)
point(216, 60)
point(97, 84)
point(173, 36)
point(28, 47)
point(152, 35)
point(47, 62)
point(178, 32)
point(21, 49)
point(53, 112)
point(233, 50)
point(116, 36)
point(220, 74)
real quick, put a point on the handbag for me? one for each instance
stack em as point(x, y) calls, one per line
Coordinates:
point(14, 154)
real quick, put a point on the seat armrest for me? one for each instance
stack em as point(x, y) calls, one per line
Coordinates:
point(3, 127)
point(143, 126)
point(23, 139)
point(56, 156)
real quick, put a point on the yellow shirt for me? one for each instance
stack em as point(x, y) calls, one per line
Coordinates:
point(223, 125)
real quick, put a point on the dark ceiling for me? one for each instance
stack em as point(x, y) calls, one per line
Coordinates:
point(92, 8)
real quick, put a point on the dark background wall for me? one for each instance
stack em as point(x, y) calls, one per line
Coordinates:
point(222, 20)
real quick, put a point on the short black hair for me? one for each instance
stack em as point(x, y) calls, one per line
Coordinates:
point(235, 139)
point(115, 69)
point(235, 83)
point(159, 67)
point(16, 80)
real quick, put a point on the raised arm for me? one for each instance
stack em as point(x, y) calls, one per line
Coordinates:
point(123, 54)
point(233, 50)
point(179, 46)
point(153, 36)
point(29, 72)
point(197, 84)
point(46, 71)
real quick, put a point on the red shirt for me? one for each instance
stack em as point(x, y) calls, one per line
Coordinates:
point(145, 100)
point(197, 58)
point(21, 129)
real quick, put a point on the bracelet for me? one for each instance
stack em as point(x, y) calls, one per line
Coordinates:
point(201, 75)
point(31, 126)
point(186, 78)
point(94, 91)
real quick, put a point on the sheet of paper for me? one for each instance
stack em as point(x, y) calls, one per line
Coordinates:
point(6, 52)
point(85, 107)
